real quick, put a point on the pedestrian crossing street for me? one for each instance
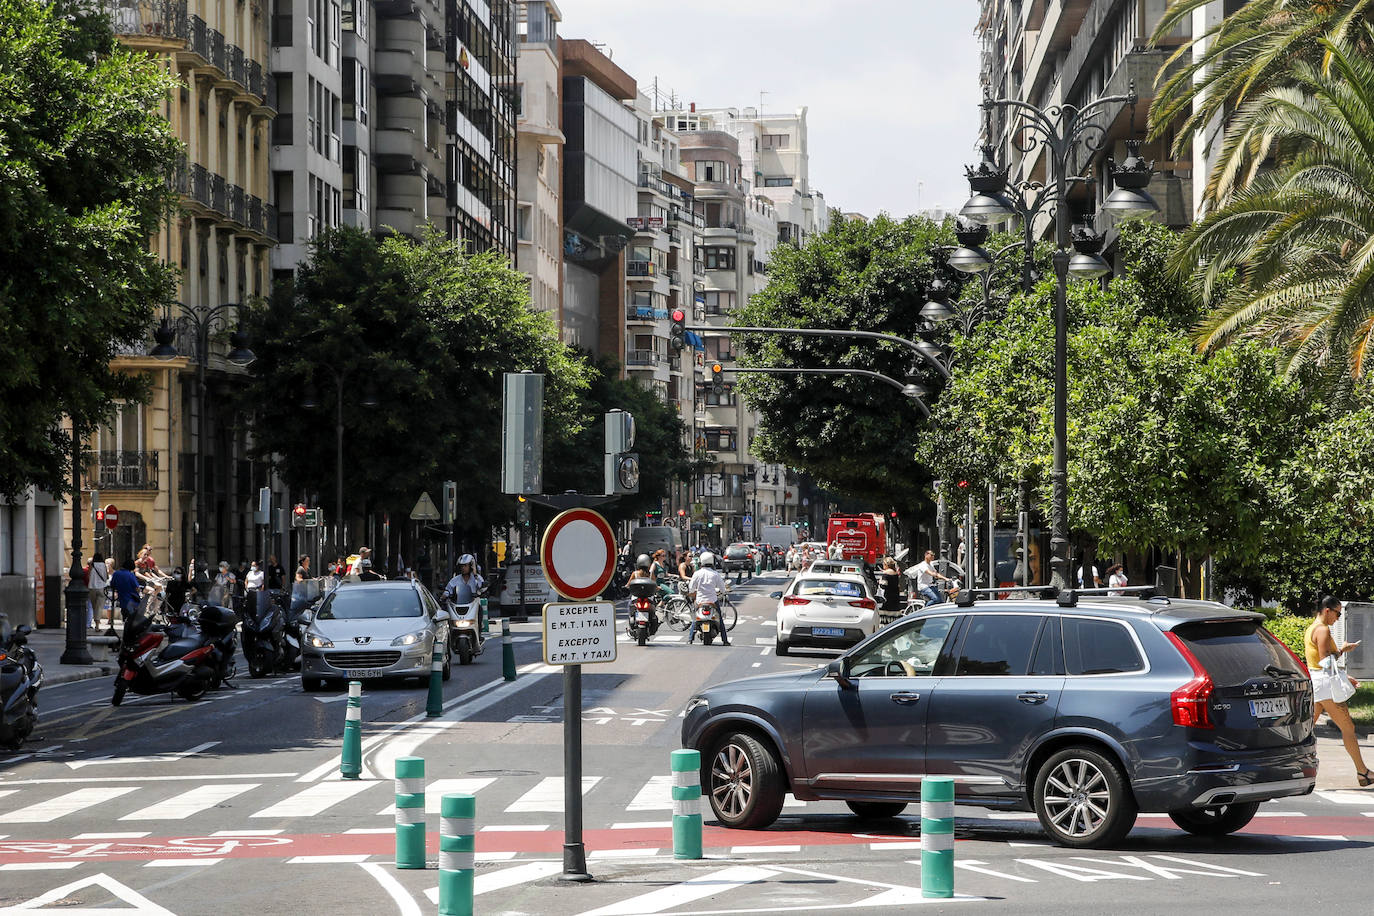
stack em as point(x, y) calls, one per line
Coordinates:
point(50, 803)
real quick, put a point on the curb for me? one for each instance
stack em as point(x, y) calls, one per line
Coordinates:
point(58, 678)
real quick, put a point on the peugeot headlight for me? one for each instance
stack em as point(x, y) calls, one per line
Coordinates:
point(318, 642)
point(410, 639)
point(697, 702)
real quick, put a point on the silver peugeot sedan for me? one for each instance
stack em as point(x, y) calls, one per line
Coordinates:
point(365, 630)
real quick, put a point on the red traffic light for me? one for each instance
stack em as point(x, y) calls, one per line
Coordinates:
point(679, 315)
point(681, 512)
point(894, 513)
point(299, 511)
point(100, 515)
point(963, 484)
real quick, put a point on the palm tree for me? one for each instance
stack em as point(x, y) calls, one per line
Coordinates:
point(1247, 52)
point(1290, 253)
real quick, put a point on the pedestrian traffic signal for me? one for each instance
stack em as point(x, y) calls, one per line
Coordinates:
point(677, 336)
point(717, 379)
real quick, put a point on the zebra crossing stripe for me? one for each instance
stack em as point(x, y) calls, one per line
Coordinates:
point(315, 799)
point(45, 811)
point(180, 807)
point(666, 898)
point(547, 796)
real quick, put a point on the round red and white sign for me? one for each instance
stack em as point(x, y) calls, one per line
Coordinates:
point(111, 517)
point(578, 553)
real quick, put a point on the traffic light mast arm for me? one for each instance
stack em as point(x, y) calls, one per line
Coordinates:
point(829, 332)
point(867, 373)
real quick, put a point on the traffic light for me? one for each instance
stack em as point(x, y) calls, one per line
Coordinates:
point(677, 335)
point(717, 379)
point(100, 516)
point(523, 510)
point(448, 510)
point(298, 515)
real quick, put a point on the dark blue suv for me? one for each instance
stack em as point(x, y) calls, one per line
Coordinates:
point(1085, 709)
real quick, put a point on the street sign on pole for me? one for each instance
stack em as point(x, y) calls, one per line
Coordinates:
point(578, 554)
point(111, 517)
point(425, 510)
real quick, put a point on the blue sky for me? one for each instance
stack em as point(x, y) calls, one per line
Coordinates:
point(891, 85)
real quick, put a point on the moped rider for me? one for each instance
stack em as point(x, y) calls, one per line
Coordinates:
point(704, 590)
point(465, 586)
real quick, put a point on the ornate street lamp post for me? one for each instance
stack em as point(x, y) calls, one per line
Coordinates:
point(1062, 130)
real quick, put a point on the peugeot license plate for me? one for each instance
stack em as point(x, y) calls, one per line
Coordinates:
point(827, 631)
point(357, 674)
point(1270, 708)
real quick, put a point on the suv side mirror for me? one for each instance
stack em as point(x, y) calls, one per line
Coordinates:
point(839, 670)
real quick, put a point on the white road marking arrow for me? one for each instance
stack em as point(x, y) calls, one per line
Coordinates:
point(138, 905)
point(161, 758)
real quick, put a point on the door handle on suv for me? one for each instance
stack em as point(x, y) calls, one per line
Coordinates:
point(905, 697)
point(1031, 698)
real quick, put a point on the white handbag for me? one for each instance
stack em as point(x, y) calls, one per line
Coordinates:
point(1330, 682)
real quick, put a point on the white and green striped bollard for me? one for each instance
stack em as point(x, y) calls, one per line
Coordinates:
point(457, 854)
point(435, 704)
point(686, 766)
point(410, 812)
point(937, 837)
point(351, 758)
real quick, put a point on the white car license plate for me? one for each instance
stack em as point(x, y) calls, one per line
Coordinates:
point(1270, 708)
point(358, 674)
point(827, 631)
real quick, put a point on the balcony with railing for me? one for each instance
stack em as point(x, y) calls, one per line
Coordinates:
point(112, 470)
point(641, 269)
point(644, 359)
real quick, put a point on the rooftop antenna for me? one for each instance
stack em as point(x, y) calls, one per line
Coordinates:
point(762, 93)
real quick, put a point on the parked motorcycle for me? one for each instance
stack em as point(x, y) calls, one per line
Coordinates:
point(643, 622)
point(188, 663)
point(20, 677)
point(264, 635)
point(464, 629)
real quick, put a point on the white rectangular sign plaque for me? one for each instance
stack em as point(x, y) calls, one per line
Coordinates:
point(579, 633)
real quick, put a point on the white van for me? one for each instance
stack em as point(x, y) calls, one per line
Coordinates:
point(783, 536)
point(648, 538)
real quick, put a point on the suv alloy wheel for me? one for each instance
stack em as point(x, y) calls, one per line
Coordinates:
point(1082, 799)
point(744, 782)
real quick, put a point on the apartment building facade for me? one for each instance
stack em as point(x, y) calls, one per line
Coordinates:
point(1072, 52)
point(539, 157)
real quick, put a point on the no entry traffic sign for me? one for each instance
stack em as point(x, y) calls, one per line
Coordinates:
point(111, 517)
point(578, 554)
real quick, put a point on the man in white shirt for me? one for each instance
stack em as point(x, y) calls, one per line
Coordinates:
point(1097, 579)
point(705, 589)
point(925, 575)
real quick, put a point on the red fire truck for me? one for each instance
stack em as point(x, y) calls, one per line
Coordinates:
point(862, 536)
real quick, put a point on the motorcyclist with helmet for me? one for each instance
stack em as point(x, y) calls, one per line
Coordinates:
point(466, 584)
point(704, 590)
point(644, 571)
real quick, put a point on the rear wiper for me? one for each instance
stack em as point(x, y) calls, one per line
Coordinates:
point(1276, 671)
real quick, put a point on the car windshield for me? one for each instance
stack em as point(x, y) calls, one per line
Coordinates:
point(363, 603)
point(837, 587)
point(736, 552)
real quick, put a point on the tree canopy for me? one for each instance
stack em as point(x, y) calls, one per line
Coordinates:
point(86, 160)
point(426, 330)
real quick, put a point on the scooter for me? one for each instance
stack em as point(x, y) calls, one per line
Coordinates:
point(187, 665)
point(264, 629)
point(20, 677)
point(643, 622)
point(706, 618)
point(465, 633)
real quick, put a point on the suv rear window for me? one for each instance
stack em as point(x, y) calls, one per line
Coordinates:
point(1234, 651)
point(1099, 647)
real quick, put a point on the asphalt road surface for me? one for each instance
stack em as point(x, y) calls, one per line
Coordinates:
point(235, 805)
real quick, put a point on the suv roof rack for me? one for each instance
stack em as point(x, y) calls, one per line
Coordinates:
point(1067, 597)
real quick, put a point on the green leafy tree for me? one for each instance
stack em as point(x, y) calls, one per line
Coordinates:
point(426, 329)
point(576, 461)
point(1298, 239)
point(870, 276)
point(85, 163)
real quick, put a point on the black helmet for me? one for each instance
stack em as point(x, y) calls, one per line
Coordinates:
point(642, 561)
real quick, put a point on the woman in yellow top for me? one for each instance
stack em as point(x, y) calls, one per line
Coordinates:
point(1318, 643)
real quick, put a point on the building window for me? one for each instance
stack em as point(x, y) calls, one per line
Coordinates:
point(718, 257)
point(718, 348)
point(775, 141)
point(718, 302)
point(524, 216)
point(721, 438)
point(711, 170)
point(777, 182)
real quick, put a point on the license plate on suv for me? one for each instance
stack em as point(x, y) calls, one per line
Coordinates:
point(827, 631)
point(1270, 708)
point(358, 674)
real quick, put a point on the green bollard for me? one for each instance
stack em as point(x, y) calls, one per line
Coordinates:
point(457, 854)
point(686, 767)
point(435, 705)
point(351, 759)
point(410, 812)
point(937, 836)
point(482, 615)
point(507, 651)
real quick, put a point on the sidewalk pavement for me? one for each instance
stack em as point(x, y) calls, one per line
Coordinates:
point(49, 644)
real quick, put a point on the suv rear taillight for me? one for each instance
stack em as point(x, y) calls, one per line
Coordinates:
point(867, 604)
point(795, 599)
point(1189, 702)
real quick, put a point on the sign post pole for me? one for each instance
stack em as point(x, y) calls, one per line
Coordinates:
point(578, 554)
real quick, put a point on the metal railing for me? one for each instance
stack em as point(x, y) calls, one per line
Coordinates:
point(219, 193)
point(200, 37)
point(236, 69)
point(114, 470)
point(641, 269)
point(218, 51)
point(238, 204)
point(643, 358)
point(149, 18)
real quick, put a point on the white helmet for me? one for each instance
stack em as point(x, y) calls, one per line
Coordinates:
point(708, 559)
point(466, 560)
